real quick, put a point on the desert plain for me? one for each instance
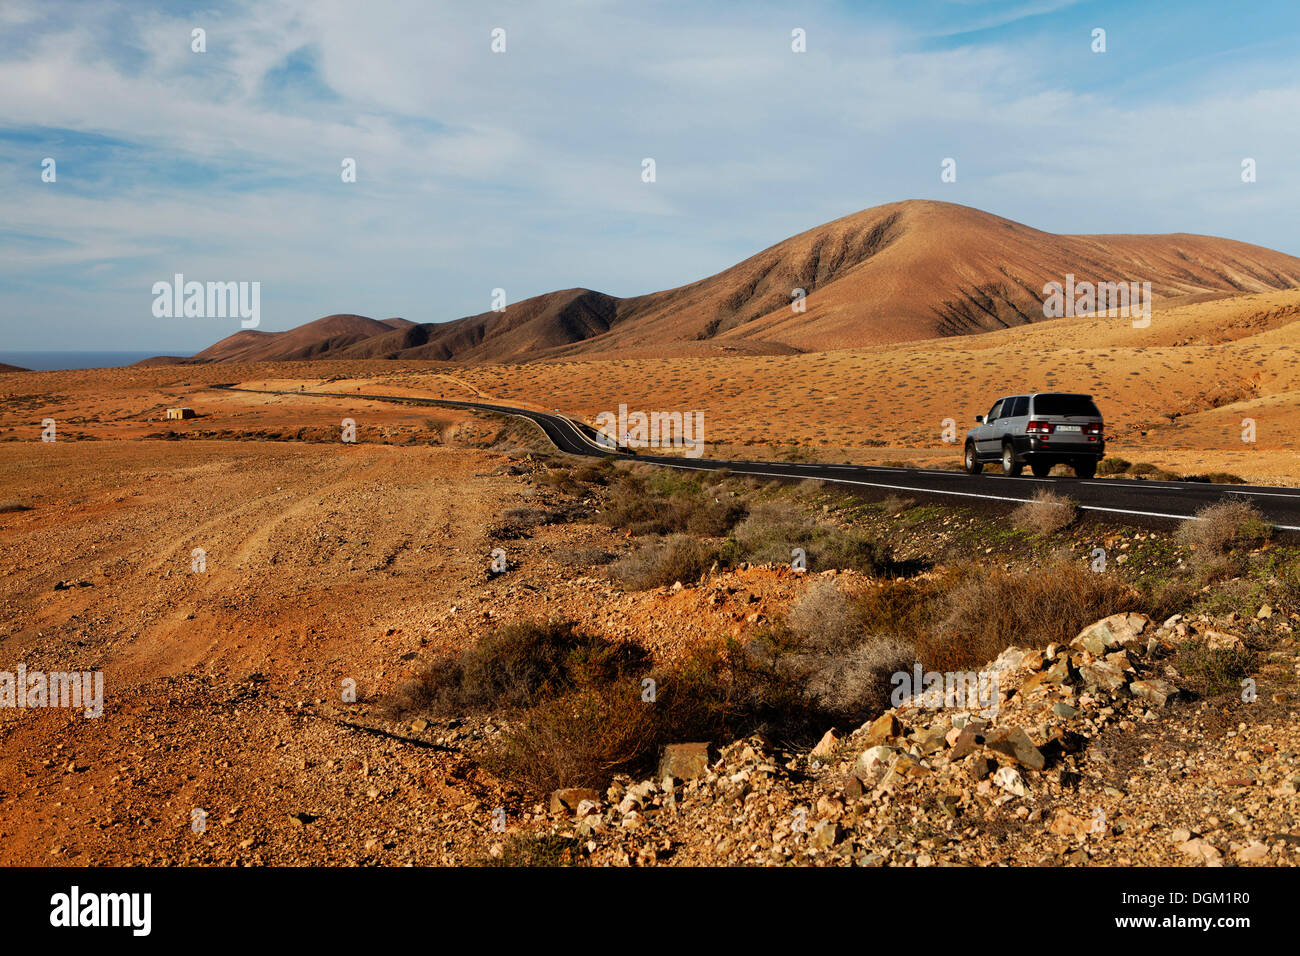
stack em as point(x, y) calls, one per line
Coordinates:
point(328, 564)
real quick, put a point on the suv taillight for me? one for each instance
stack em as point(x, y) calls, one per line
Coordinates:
point(1039, 428)
point(1092, 429)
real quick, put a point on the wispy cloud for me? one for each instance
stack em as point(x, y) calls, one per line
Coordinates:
point(522, 170)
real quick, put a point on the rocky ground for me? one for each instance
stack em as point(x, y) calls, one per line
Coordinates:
point(1093, 757)
point(227, 737)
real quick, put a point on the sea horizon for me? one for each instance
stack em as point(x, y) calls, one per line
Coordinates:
point(48, 360)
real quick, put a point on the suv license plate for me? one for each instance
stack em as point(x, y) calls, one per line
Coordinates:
point(1069, 428)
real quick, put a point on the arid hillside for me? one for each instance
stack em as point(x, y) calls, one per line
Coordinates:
point(894, 273)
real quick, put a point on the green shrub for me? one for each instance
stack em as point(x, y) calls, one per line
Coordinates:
point(663, 562)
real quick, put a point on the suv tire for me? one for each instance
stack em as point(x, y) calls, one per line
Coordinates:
point(973, 464)
point(1085, 467)
point(1041, 468)
point(1009, 464)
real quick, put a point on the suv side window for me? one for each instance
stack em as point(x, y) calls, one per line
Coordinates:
point(1019, 407)
point(995, 411)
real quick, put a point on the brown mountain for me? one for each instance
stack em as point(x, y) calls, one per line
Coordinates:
point(319, 339)
point(899, 272)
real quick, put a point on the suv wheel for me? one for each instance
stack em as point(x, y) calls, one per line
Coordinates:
point(1085, 467)
point(1009, 464)
point(1041, 468)
point(973, 466)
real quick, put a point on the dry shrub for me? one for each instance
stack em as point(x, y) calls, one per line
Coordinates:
point(1213, 671)
point(1288, 579)
point(718, 693)
point(668, 507)
point(893, 504)
point(855, 683)
point(1219, 528)
point(516, 665)
point(598, 472)
point(774, 529)
point(1046, 513)
point(581, 557)
point(981, 611)
point(579, 739)
point(897, 608)
point(9, 507)
point(664, 562)
point(823, 615)
point(536, 850)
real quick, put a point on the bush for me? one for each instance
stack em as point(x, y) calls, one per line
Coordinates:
point(671, 507)
point(1045, 514)
point(897, 608)
point(598, 472)
point(718, 693)
point(824, 616)
point(516, 665)
point(1113, 466)
point(663, 562)
point(579, 739)
point(1288, 577)
point(580, 557)
point(855, 683)
point(1161, 599)
point(536, 849)
point(1219, 528)
point(1217, 671)
point(524, 519)
point(980, 611)
point(893, 504)
point(774, 529)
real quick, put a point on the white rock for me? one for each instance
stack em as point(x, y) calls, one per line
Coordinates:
point(1009, 780)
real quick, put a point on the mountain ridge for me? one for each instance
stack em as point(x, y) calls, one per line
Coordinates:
point(903, 271)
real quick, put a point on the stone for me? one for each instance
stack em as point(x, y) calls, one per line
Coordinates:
point(966, 742)
point(1199, 849)
point(570, 798)
point(882, 729)
point(1103, 675)
point(1015, 743)
point(902, 769)
point(1264, 614)
point(684, 761)
point(1222, 641)
point(826, 834)
point(872, 760)
point(419, 724)
point(1063, 709)
point(981, 767)
point(1059, 672)
point(1255, 852)
point(826, 746)
point(1155, 691)
point(1066, 824)
point(1110, 633)
point(852, 788)
point(1009, 780)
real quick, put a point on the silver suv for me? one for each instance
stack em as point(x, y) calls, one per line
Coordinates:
point(1041, 430)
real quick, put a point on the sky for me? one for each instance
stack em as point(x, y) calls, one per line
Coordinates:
point(522, 170)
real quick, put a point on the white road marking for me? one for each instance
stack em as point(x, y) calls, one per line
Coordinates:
point(713, 466)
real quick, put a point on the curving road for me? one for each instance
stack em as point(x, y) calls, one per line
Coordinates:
point(1130, 501)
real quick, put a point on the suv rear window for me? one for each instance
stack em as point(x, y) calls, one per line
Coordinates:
point(1064, 405)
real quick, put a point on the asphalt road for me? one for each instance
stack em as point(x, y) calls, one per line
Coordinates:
point(1127, 501)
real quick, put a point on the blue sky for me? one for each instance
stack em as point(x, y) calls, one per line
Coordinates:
point(522, 170)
